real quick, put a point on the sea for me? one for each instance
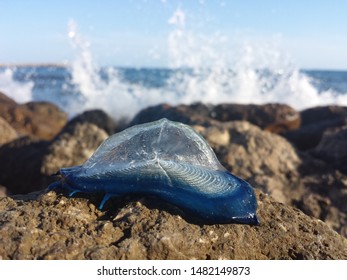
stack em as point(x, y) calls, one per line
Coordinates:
point(123, 92)
point(198, 69)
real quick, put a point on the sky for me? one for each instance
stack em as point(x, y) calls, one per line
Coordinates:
point(312, 33)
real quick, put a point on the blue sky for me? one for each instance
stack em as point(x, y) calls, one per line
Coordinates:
point(135, 33)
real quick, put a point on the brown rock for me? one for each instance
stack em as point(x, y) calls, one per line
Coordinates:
point(26, 160)
point(20, 163)
point(41, 120)
point(189, 114)
point(47, 119)
point(271, 164)
point(4, 99)
point(271, 117)
point(3, 191)
point(73, 146)
point(264, 159)
point(325, 193)
point(216, 135)
point(7, 133)
point(12, 113)
point(322, 114)
point(307, 137)
point(96, 117)
point(333, 148)
point(55, 227)
point(315, 122)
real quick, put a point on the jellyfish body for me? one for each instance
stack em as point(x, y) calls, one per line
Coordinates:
point(168, 160)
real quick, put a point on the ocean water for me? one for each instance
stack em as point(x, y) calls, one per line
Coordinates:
point(122, 92)
point(198, 70)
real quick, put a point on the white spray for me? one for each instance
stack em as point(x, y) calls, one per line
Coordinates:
point(206, 75)
point(20, 92)
point(205, 71)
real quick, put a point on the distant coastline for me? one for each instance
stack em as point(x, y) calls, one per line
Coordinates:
point(9, 65)
point(66, 64)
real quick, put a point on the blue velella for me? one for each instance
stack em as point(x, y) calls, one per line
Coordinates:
point(168, 160)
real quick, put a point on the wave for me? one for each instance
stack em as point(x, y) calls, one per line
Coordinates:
point(20, 92)
point(199, 71)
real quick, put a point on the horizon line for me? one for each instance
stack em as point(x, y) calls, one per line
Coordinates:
point(66, 64)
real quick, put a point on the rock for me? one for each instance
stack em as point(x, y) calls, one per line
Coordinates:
point(20, 163)
point(189, 114)
point(47, 119)
point(13, 113)
point(271, 164)
point(272, 117)
point(51, 226)
point(73, 146)
point(26, 160)
point(307, 137)
point(325, 193)
point(322, 114)
point(333, 148)
point(7, 133)
point(3, 191)
point(216, 135)
point(40, 120)
point(316, 121)
point(96, 117)
point(264, 159)
point(4, 99)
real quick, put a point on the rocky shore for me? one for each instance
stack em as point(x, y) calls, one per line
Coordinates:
point(296, 161)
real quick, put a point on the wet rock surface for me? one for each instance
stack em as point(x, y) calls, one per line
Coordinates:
point(51, 226)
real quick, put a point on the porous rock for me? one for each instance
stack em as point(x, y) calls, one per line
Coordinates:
point(73, 146)
point(270, 163)
point(51, 226)
point(324, 193)
point(266, 160)
point(26, 160)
